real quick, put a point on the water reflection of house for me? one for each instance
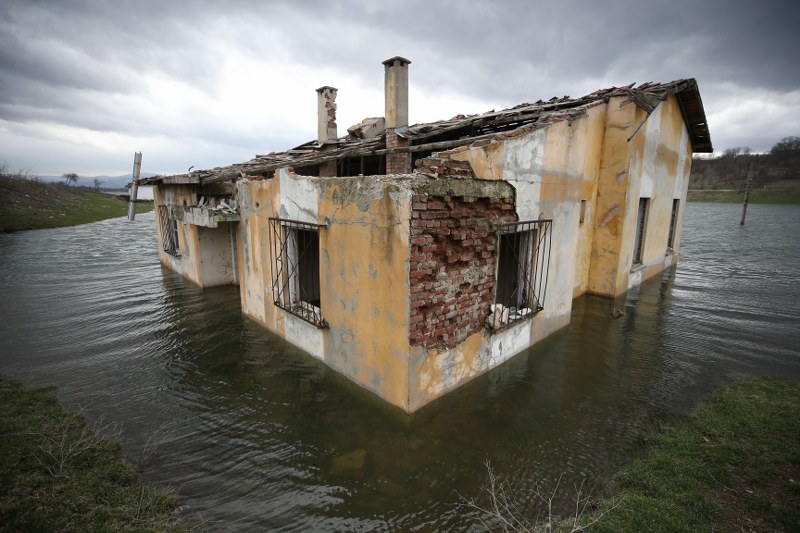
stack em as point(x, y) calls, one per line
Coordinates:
point(412, 258)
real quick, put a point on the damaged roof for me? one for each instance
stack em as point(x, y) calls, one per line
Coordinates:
point(492, 125)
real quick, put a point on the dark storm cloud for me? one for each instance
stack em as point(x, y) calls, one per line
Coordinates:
point(483, 47)
point(90, 64)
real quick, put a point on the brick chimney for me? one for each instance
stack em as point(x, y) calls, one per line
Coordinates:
point(326, 114)
point(395, 76)
point(326, 126)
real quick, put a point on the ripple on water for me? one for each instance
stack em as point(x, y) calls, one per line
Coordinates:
point(254, 434)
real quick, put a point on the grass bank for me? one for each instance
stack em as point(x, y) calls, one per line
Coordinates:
point(757, 196)
point(57, 473)
point(30, 204)
point(733, 465)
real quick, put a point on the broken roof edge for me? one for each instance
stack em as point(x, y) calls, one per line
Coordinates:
point(491, 125)
point(694, 116)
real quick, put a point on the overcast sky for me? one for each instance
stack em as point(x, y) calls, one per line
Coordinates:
point(85, 84)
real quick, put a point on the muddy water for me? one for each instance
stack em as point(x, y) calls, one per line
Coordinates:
point(253, 434)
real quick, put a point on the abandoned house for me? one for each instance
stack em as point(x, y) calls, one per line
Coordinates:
point(412, 258)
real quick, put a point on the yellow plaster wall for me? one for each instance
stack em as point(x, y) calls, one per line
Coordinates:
point(259, 200)
point(364, 252)
point(611, 206)
point(660, 163)
point(558, 166)
point(587, 154)
point(188, 264)
point(364, 281)
point(486, 161)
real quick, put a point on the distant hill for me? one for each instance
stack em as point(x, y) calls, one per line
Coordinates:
point(775, 171)
point(108, 182)
point(776, 177)
point(36, 204)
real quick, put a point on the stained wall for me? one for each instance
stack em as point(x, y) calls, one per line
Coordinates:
point(364, 250)
point(390, 332)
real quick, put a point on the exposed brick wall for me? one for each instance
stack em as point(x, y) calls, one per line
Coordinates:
point(445, 167)
point(398, 163)
point(328, 169)
point(453, 255)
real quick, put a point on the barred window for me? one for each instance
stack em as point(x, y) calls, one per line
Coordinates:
point(523, 264)
point(641, 229)
point(168, 228)
point(673, 223)
point(295, 268)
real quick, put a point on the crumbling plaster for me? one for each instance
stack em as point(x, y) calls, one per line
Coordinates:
point(363, 271)
point(608, 156)
point(659, 150)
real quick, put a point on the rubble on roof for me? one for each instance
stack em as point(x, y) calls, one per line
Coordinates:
point(368, 137)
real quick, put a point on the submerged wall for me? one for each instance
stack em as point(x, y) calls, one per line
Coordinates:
point(660, 163)
point(204, 255)
point(408, 263)
point(364, 250)
point(550, 171)
point(187, 262)
point(644, 156)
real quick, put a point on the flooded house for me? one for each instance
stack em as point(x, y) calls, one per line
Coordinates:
point(412, 258)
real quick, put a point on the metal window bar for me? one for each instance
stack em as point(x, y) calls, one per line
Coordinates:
point(523, 268)
point(295, 268)
point(168, 229)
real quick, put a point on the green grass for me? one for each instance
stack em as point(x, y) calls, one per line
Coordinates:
point(757, 196)
point(734, 465)
point(59, 474)
point(29, 204)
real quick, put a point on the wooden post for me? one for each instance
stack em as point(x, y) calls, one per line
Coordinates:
point(137, 168)
point(747, 192)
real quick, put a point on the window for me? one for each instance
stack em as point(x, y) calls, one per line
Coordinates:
point(672, 224)
point(641, 223)
point(295, 268)
point(168, 228)
point(583, 212)
point(523, 263)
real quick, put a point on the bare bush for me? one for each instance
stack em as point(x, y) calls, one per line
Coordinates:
point(511, 514)
point(74, 439)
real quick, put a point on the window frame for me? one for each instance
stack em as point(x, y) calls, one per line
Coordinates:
point(673, 223)
point(640, 230)
point(288, 268)
point(168, 228)
point(531, 263)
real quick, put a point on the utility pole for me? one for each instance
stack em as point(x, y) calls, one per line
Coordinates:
point(137, 168)
point(747, 192)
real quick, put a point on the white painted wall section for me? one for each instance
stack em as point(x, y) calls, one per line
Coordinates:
point(304, 335)
point(299, 197)
point(523, 168)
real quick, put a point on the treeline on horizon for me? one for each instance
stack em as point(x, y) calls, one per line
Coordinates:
point(729, 169)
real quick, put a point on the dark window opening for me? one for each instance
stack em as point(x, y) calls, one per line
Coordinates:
point(641, 226)
point(370, 165)
point(308, 170)
point(583, 212)
point(523, 264)
point(295, 268)
point(168, 230)
point(673, 224)
point(416, 156)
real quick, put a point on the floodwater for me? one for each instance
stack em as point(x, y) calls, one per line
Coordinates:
point(253, 434)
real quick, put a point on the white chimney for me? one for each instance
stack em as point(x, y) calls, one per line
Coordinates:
point(395, 75)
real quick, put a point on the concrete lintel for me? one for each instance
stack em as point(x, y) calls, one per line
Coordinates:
point(200, 216)
point(466, 187)
point(183, 179)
